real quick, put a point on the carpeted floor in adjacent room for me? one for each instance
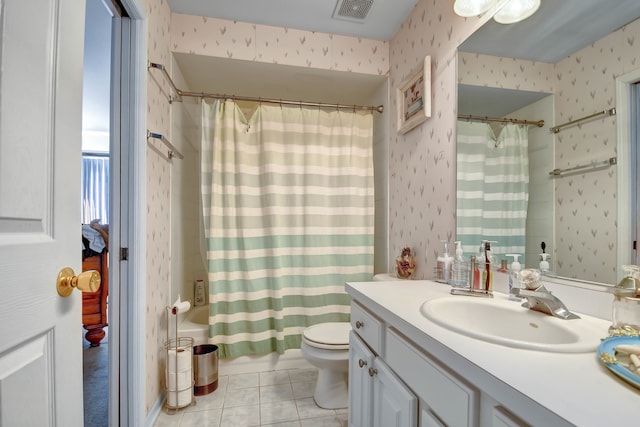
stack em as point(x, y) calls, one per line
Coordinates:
point(96, 380)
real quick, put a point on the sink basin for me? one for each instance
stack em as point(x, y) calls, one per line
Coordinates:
point(507, 323)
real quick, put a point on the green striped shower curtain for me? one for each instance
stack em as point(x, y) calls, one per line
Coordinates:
point(288, 209)
point(492, 187)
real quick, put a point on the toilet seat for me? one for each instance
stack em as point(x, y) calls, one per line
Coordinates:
point(330, 335)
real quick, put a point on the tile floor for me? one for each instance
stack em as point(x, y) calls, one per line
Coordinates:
point(274, 398)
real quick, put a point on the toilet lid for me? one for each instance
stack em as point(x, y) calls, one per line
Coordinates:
point(328, 334)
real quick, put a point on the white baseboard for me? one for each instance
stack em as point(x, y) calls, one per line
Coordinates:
point(152, 416)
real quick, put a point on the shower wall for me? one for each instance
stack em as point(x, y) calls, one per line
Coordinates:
point(187, 251)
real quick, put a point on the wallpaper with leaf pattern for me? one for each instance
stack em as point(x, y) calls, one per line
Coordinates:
point(422, 175)
point(158, 204)
point(262, 43)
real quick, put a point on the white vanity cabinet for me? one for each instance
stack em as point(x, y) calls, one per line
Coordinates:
point(395, 383)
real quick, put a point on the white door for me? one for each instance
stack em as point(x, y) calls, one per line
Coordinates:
point(41, 49)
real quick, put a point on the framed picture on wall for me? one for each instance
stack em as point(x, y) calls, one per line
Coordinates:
point(414, 98)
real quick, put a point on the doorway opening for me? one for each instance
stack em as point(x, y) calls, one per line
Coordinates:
point(97, 132)
point(634, 141)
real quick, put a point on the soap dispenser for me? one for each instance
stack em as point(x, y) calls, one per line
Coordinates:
point(514, 269)
point(544, 259)
point(480, 256)
point(459, 269)
point(444, 262)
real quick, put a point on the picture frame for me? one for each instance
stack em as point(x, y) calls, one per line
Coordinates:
point(414, 98)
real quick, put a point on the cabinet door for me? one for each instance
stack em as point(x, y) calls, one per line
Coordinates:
point(394, 405)
point(428, 419)
point(504, 418)
point(360, 383)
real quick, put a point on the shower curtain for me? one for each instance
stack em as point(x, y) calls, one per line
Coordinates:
point(288, 209)
point(492, 187)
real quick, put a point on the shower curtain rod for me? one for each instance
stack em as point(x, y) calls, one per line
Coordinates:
point(539, 123)
point(181, 93)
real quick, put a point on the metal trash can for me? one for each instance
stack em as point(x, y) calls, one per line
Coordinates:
point(205, 369)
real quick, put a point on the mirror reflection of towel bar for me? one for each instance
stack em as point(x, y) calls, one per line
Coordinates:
point(586, 168)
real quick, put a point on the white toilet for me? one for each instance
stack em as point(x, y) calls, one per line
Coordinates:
point(326, 346)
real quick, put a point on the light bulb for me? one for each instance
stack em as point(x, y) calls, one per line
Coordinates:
point(516, 11)
point(470, 8)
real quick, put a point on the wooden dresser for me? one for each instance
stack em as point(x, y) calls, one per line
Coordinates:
point(94, 304)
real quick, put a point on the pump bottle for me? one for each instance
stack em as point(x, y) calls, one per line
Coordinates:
point(513, 275)
point(459, 271)
point(444, 262)
point(544, 259)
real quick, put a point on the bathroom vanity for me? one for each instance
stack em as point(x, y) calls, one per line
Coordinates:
point(406, 370)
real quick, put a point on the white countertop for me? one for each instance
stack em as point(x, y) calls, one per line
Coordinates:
point(574, 386)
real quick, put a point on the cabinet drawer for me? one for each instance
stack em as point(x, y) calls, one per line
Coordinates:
point(452, 401)
point(367, 326)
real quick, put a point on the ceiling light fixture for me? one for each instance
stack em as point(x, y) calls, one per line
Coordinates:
point(511, 12)
point(516, 11)
point(470, 8)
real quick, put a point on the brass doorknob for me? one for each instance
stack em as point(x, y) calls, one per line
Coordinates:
point(87, 281)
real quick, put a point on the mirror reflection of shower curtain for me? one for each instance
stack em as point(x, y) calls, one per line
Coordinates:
point(95, 187)
point(288, 208)
point(492, 187)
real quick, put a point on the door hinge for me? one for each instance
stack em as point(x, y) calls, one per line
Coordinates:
point(635, 245)
point(124, 254)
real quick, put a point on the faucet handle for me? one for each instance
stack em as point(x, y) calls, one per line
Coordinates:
point(530, 278)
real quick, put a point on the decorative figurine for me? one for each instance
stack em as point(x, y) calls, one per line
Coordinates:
point(405, 264)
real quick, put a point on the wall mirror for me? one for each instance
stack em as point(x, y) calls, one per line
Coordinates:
point(558, 66)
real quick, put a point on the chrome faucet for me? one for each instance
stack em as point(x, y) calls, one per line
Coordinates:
point(542, 300)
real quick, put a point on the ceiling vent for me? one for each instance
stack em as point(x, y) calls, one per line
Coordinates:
point(352, 10)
